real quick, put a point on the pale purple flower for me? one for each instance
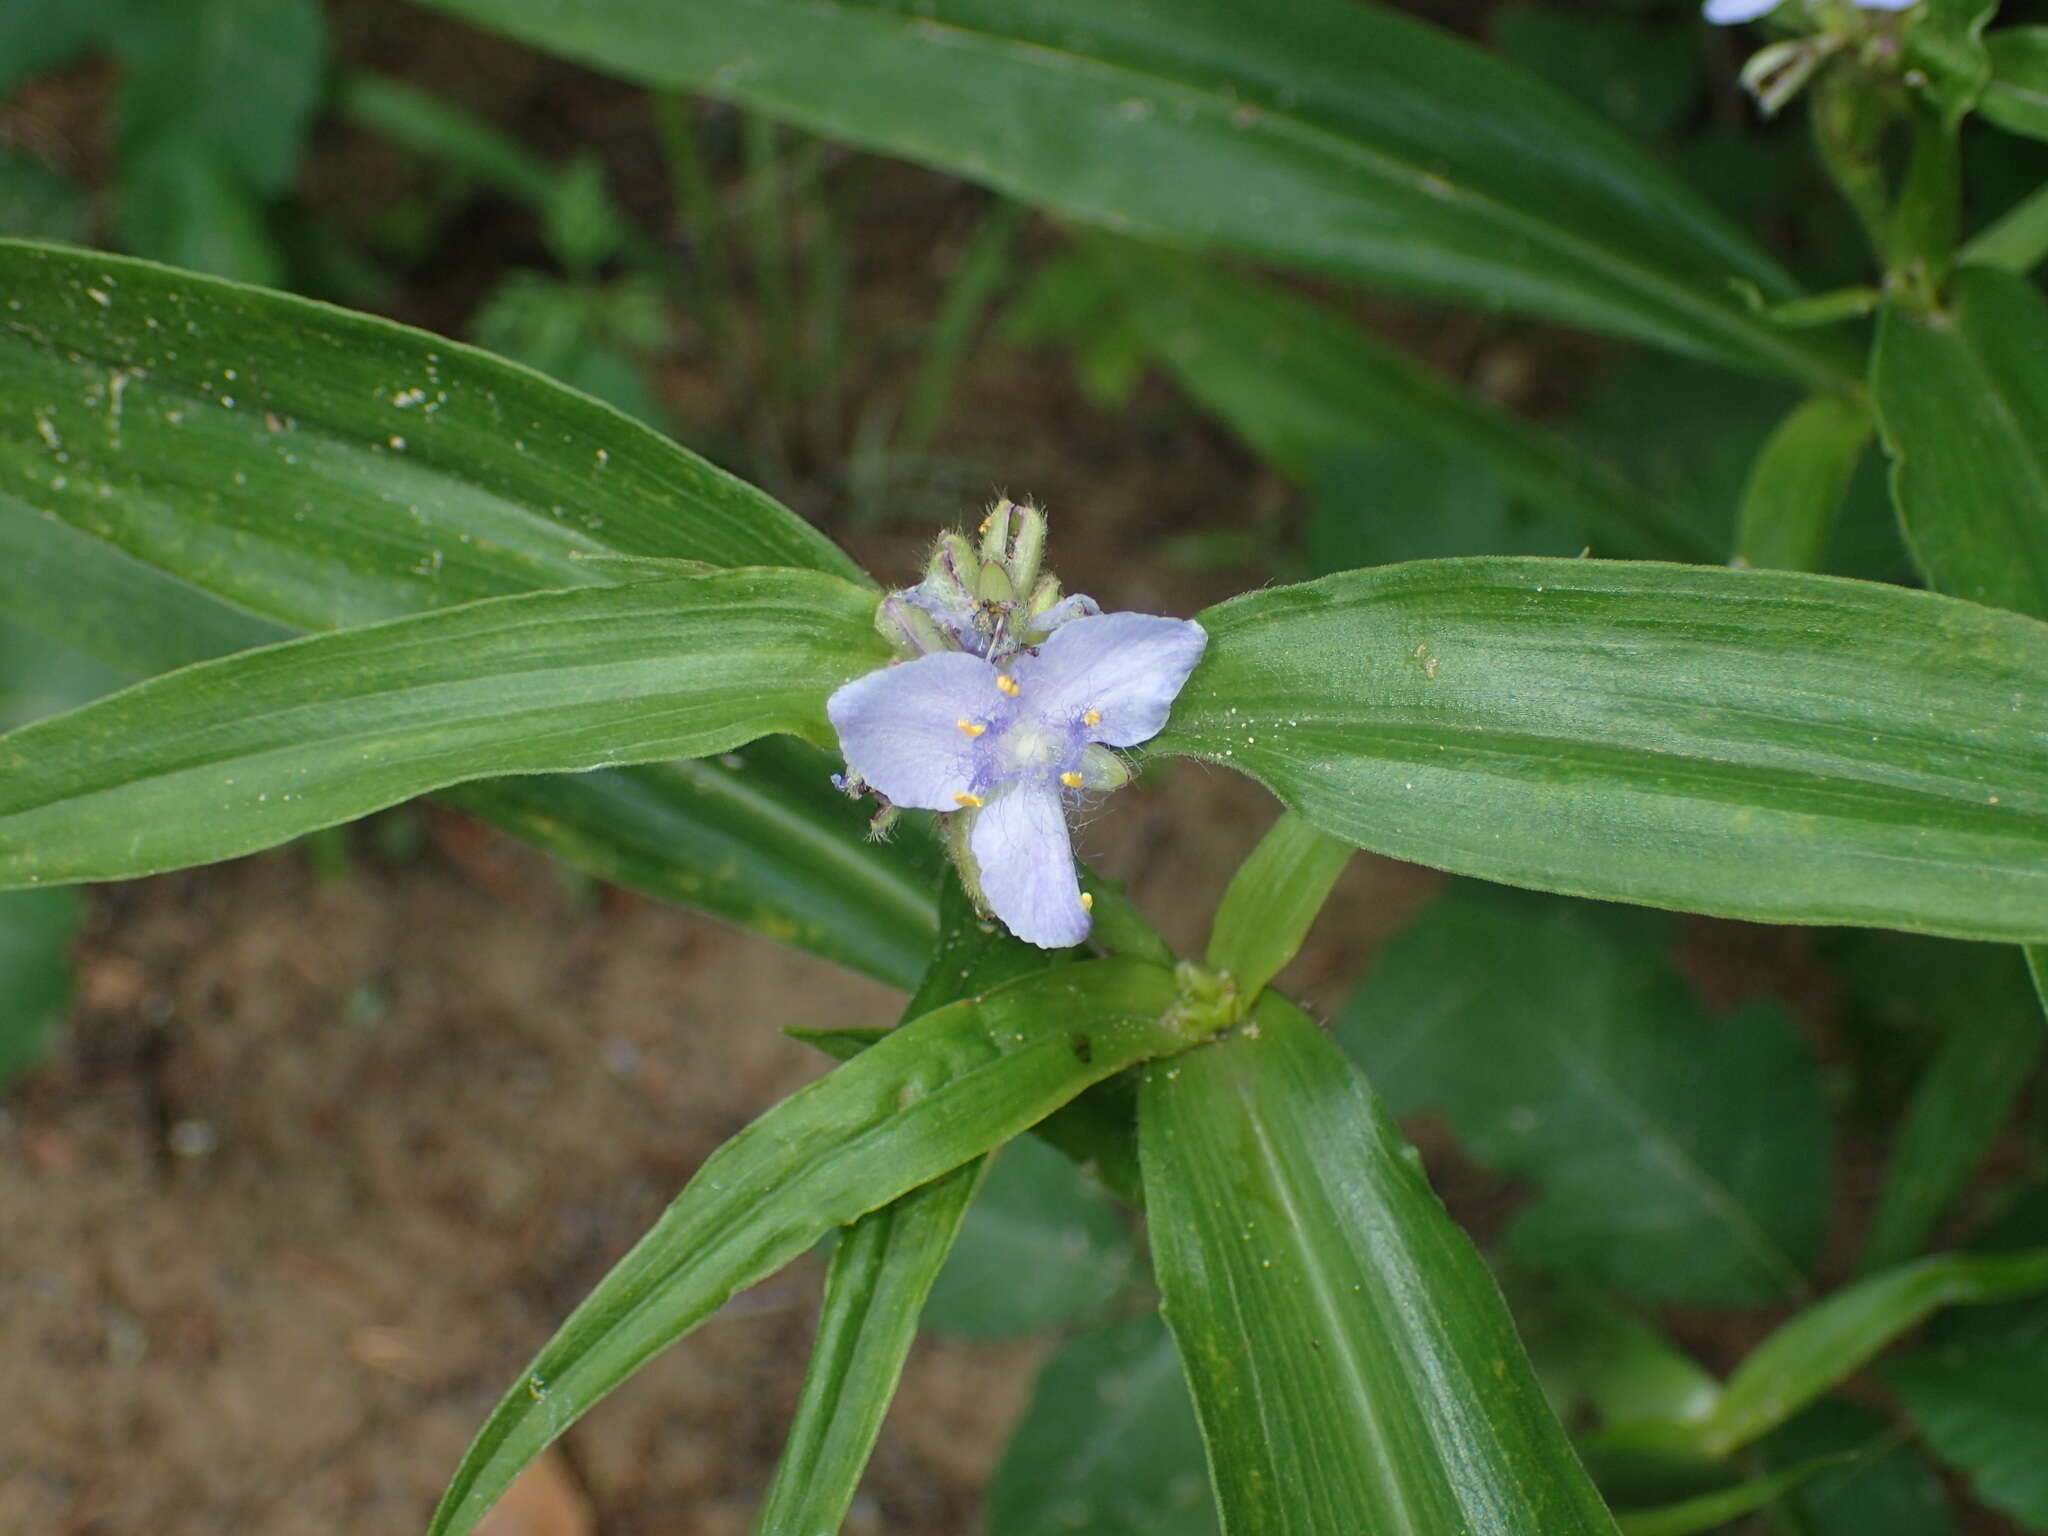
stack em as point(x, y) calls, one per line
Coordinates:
point(1728, 13)
point(1013, 744)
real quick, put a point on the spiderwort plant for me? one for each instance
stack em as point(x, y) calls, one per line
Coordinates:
point(1768, 743)
point(1007, 716)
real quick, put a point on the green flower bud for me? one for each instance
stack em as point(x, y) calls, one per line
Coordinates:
point(1027, 546)
point(995, 531)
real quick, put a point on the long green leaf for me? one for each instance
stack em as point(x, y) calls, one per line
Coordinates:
point(1962, 399)
point(324, 468)
point(910, 1108)
point(1831, 1340)
point(884, 1266)
point(1353, 1364)
point(1977, 1385)
point(1797, 483)
point(1981, 998)
point(1338, 137)
point(2017, 97)
point(881, 1272)
point(1302, 385)
point(758, 837)
point(1272, 901)
point(234, 755)
point(1757, 744)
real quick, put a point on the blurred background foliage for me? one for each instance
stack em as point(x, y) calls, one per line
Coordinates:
point(800, 312)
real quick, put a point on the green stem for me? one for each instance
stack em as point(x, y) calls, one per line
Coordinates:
point(702, 222)
point(1847, 126)
point(980, 273)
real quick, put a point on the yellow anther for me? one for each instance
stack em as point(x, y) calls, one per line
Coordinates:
point(1008, 684)
point(1093, 717)
point(1071, 780)
point(970, 728)
point(961, 797)
point(1087, 901)
point(985, 522)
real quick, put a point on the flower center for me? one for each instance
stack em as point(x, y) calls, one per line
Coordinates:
point(1030, 749)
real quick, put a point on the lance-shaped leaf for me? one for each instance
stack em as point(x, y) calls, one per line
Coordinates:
point(1962, 400)
point(1831, 1340)
point(913, 1106)
point(238, 754)
point(1353, 1364)
point(1978, 1001)
point(758, 837)
point(1757, 744)
point(885, 1263)
point(324, 468)
point(1337, 137)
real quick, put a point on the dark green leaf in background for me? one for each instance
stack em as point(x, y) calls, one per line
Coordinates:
point(915, 1105)
point(1989, 1033)
point(1590, 1352)
point(1757, 744)
point(36, 35)
point(1392, 502)
point(1818, 1348)
point(757, 836)
point(1109, 1445)
point(1644, 76)
point(1798, 481)
point(1676, 1157)
point(1042, 1245)
point(36, 929)
point(234, 755)
point(2017, 97)
point(1337, 137)
point(1304, 386)
point(1352, 1362)
point(236, 78)
point(1962, 399)
point(216, 100)
point(36, 203)
point(1887, 1489)
point(1977, 1388)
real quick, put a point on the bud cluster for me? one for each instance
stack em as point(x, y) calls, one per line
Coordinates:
point(988, 595)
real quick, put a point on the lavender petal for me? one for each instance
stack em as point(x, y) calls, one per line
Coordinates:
point(1129, 666)
point(1026, 858)
point(899, 727)
point(1729, 13)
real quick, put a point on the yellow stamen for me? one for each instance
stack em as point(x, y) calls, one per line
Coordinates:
point(1008, 684)
point(970, 728)
point(985, 522)
point(971, 802)
point(1087, 901)
point(1071, 780)
point(1093, 717)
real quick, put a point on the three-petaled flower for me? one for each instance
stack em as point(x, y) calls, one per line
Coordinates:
point(1010, 739)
